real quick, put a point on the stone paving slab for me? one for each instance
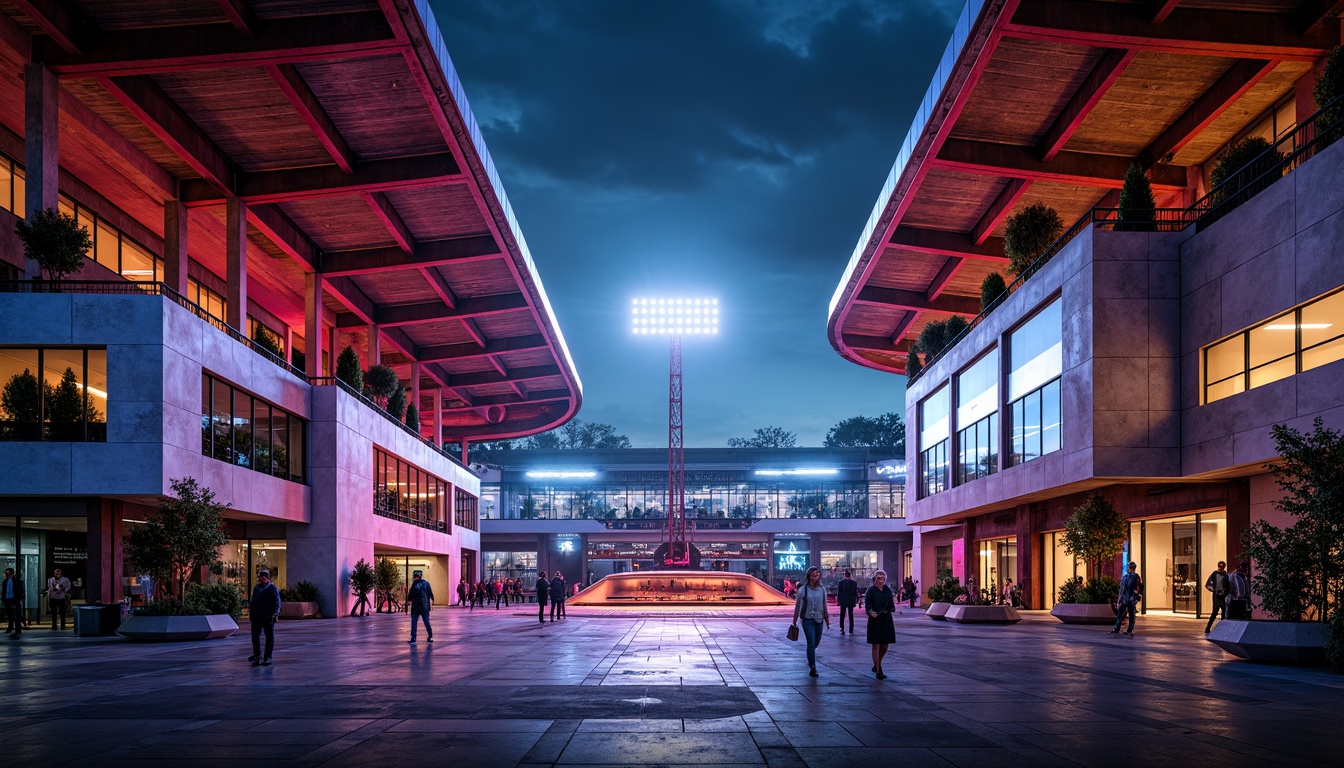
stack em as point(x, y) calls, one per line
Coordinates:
point(497, 689)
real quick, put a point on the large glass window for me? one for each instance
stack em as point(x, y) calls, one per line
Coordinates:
point(998, 567)
point(1035, 364)
point(465, 510)
point(934, 437)
point(242, 429)
point(1304, 338)
point(978, 419)
point(403, 491)
point(53, 394)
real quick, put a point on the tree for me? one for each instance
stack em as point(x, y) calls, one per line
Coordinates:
point(991, 288)
point(184, 536)
point(268, 341)
point(386, 579)
point(766, 437)
point(1027, 233)
point(885, 433)
point(576, 435)
point(1137, 207)
point(396, 403)
point(349, 370)
point(55, 241)
point(361, 583)
point(65, 407)
point(413, 417)
point(21, 401)
point(1095, 533)
point(380, 382)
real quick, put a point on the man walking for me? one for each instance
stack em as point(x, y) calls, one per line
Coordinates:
point(911, 590)
point(11, 592)
point(420, 597)
point(264, 611)
point(462, 592)
point(846, 597)
point(557, 596)
point(497, 591)
point(543, 587)
point(1217, 583)
point(58, 597)
point(1131, 592)
point(1239, 593)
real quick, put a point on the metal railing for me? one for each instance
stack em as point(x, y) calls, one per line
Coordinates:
point(401, 517)
point(127, 287)
point(329, 381)
point(1297, 146)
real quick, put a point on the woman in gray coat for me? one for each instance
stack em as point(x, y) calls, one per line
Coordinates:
point(810, 606)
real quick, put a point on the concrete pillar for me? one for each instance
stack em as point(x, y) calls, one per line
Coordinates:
point(464, 452)
point(175, 245)
point(1304, 105)
point(375, 346)
point(332, 350)
point(415, 384)
point(236, 255)
point(1029, 568)
point(312, 323)
point(41, 162)
point(438, 417)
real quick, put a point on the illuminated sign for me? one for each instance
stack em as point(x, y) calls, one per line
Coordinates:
point(796, 472)
point(791, 562)
point(567, 543)
point(561, 475)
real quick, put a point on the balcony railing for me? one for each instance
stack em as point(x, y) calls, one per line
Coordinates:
point(330, 381)
point(392, 514)
point(1296, 147)
point(127, 287)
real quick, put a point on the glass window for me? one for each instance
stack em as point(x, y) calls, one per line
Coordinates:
point(105, 247)
point(242, 428)
point(261, 440)
point(405, 492)
point(933, 418)
point(207, 431)
point(53, 394)
point(249, 431)
point(21, 396)
point(1306, 338)
point(978, 390)
point(20, 190)
point(137, 263)
point(282, 442)
point(1050, 418)
point(63, 393)
point(1035, 351)
point(6, 186)
point(1226, 359)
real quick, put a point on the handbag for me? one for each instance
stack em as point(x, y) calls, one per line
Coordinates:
point(792, 634)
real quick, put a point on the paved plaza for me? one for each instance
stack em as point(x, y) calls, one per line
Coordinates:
point(497, 689)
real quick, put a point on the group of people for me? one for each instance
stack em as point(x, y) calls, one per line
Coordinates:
point(1231, 595)
point(879, 602)
point(491, 590)
point(550, 591)
point(13, 596)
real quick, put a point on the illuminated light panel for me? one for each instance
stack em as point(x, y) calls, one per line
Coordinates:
point(796, 472)
point(549, 475)
point(680, 317)
point(1304, 326)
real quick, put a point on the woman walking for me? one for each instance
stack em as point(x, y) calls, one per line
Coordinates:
point(810, 605)
point(880, 602)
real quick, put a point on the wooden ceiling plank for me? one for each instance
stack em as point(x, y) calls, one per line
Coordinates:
point(910, 300)
point(946, 243)
point(1234, 83)
point(60, 22)
point(277, 227)
point(1195, 31)
point(876, 344)
point(1313, 14)
point(483, 378)
point(1107, 70)
point(902, 328)
point(325, 180)
point(428, 254)
point(943, 277)
point(1078, 168)
point(305, 102)
point(440, 286)
point(166, 120)
point(434, 311)
point(118, 143)
point(240, 15)
point(541, 396)
point(473, 330)
point(446, 352)
point(999, 209)
point(387, 213)
point(211, 46)
point(1159, 10)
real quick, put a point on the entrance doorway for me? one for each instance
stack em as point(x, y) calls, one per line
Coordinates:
point(998, 563)
point(1175, 554)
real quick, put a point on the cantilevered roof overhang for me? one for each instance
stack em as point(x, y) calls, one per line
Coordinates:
point(1051, 101)
point(343, 127)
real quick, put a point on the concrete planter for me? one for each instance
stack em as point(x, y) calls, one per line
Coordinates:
point(938, 611)
point(983, 614)
point(1298, 643)
point(175, 628)
point(294, 610)
point(1084, 613)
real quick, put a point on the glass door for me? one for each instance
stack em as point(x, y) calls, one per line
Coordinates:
point(1185, 567)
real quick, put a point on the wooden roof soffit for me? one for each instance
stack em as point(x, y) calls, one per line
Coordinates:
point(1194, 31)
point(166, 120)
point(447, 352)
point(1236, 81)
point(1107, 70)
point(517, 375)
point(64, 26)
point(1159, 10)
point(428, 253)
point(999, 210)
point(430, 312)
point(946, 243)
point(240, 15)
point(1314, 13)
point(305, 102)
point(326, 180)
point(944, 276)
point(540, 396)
point(911, 300)
point(860, 343)
point(382, 207)
point(1079, 168)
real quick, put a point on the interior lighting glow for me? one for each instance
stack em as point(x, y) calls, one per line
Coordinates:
point(1304, 326)
point(677, 316)
point(556, 475)
point(795, 472)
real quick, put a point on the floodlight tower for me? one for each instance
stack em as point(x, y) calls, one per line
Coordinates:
point(675, 318)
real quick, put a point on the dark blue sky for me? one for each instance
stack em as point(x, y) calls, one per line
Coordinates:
point(730, 149)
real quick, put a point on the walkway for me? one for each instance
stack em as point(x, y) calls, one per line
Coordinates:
point(497, 689)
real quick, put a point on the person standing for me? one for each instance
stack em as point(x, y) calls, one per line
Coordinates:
point(1131, 592)
point(1239, 593)
point(1217, 583)
point(462, 592)
point(498, 592)
point(58, 597)
point(11, 592)
point(911, 590)
point(420, 596)
point(880, 603)
point(264, 611)
point(811, 607)
point(557, 595)
point(846, 597)
point(543, 586)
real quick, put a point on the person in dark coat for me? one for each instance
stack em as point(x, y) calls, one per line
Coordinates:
point(880, 602)
point(1219, 585)
point(846, 597)
point(911, 590)
point(420, 597)
point(263, 612)
point(557, 596)
point(1131, 592)
point(462, 592)
point(543, 587)
point(11, 592)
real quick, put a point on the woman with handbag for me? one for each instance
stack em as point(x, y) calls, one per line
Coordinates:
point(880, 602)
point(810, 606)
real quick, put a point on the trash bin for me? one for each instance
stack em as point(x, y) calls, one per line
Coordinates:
point(88, 620)
point(111, 618)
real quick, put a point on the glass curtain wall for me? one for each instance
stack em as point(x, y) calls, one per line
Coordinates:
point(34, 547)
point(1035, 365)
point(978, 419)
point(53, 394)
point(717, 500)
point(511, 565)
point(403, 491)
point(1059, 567)
point(250, 432)
point(864, 563)
point(934, 437)
point(998, 563)
point(1175, 557)
point(1304, 338)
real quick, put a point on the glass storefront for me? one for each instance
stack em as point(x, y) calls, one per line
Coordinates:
point(998, 562)
point(864, 563)
point(35, 546)
point(512, 565)
point(718, 498)
point(245, 558)
point(250, 432)
point(1059, 567)
point(1175, 556)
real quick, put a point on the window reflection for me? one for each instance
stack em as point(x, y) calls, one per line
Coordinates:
point(55, 394)
point(403, 491)
point(1304, 338)
point(245, 430)
point(1035, 365)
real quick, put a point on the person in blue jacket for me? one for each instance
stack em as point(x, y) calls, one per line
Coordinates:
point(263, 612)
point(421, 597)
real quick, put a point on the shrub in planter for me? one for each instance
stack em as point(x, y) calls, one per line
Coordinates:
point(413, 417)
point(1136, 202)
point(913, 366)
point(361, 584)
point(1253, 155)
point(946, 590)
point(380, 382)
point(349, 370)
point(1330, 86)
point(386, 579)
point(991, 288)
point(1100, 590)
point(213, 598)
point(55, 241)
point(396, 403)
point(184, 536)
point(303, 592)
point(1028, 233)
point(1095, 533)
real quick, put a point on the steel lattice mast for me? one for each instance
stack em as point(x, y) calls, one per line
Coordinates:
point(678, 553)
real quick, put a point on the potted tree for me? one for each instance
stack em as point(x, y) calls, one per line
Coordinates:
point(182, 538)
point(991, 288)
point(941, 596)
point(348, 370)
point(1027, 233)
point(55, 241)
point(1299, 570)
point(1095, 534)
point(386, 579)
point(361, 584)
point(980, 606)
point(1137, 210)
point(300, 602)
point(379, 383)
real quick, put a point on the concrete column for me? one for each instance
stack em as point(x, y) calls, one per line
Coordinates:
point(1029, 568)
point(41, 162)
point(175, 245)
point(332, 350)
point(1304, 105)
point(312, 323)
point(236, 253)
point(464, 452)
point(415, 384)
point(438, 417)
point(375, 346)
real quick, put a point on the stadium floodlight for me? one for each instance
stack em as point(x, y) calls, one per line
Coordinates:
point(676, 316)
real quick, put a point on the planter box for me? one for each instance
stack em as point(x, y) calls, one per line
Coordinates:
point(295, 610)
point(1084, 613)
point(1300, 643)
point(937, 610)
point(982, 614)
point(175, 628)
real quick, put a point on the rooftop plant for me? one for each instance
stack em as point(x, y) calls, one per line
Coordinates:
point(1253, 155)
point(349, 370)
point(413, 417)
point(268, 341)
point(1136, 202)
point(380, 382)
point(55, 241)
point(1028, 233)
point(396, 403)
point(991, 288)
point(1330, 86)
